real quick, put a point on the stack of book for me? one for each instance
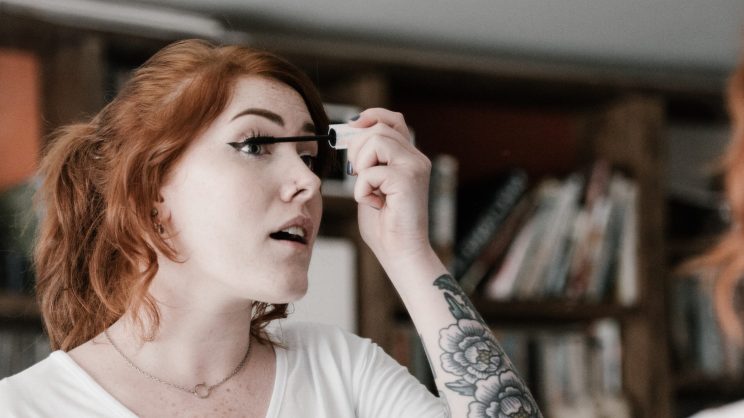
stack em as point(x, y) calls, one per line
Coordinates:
point(580, 372)
point(571, 240)
point(701, 347)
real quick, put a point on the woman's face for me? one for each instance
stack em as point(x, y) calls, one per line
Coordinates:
point(226, 207)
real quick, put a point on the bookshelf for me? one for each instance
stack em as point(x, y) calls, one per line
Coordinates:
point(625, 127)
point(19, 307)
point(550, 311)
point(548, 124)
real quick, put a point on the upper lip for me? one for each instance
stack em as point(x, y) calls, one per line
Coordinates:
point(303, 222)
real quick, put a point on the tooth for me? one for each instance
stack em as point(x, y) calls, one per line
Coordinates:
point(295, 230)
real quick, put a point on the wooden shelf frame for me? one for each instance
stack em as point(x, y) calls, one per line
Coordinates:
point(15, 306)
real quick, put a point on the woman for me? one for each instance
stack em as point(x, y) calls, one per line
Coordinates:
point(171, 238)
point(726, 257)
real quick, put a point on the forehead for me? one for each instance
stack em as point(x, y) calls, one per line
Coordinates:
point(269, 94)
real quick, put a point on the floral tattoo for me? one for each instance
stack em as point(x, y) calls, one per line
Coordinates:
point(483, 371)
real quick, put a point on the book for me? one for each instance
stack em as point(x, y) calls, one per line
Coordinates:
point(490, 259)
point(589, 230)
point(580, 371)
point(606, 254)
point(543, 272)
point(699, 344)
point(548, 196)
point(504, 283)
point(503, 200)
point(569, 250)
point(500, 285)
point(627, 274)
point(443, 205)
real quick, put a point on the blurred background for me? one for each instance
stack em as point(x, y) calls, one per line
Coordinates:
point(595, 126)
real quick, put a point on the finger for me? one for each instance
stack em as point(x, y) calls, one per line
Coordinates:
point(380, 150)
point(381, 136)
point(372, 116)
point(370, 184)
point(385, 181)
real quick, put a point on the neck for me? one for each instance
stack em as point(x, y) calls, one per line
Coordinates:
point(200, 337)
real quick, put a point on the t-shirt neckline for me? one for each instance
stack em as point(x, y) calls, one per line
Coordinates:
point(277, 393)
point(67, 362)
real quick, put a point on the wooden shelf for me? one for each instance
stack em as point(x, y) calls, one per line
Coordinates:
point(543, 312)
point(701, 385)
point(549, 311)
point(18, 306)
point(339, 206)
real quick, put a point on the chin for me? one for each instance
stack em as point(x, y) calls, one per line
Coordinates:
point(293, 291)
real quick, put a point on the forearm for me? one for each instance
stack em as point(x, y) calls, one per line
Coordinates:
point(469, 366)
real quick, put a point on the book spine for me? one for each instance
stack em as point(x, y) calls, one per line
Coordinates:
point(443, 206)
point(495, 252)
point(489, 222)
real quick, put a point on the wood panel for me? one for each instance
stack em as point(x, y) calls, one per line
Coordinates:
point(630, 134)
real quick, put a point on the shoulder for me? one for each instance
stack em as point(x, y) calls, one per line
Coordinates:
point(22, 391)
point(296, 335)
point(305, 330)
point(324, 346)
point(732, 410)
point(41, 371)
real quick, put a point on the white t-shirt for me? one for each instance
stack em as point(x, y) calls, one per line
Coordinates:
point(733, 410)
point(324, 372)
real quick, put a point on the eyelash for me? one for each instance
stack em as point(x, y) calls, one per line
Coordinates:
point(309, 160)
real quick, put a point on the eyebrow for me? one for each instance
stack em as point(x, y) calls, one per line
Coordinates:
point(307, 126)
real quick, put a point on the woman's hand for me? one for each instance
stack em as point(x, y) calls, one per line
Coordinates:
point(392, 189)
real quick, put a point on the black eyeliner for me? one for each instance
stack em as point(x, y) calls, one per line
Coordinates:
point(263, 140)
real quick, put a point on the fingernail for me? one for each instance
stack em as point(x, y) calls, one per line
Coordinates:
point(354, 118)
point(349, 169)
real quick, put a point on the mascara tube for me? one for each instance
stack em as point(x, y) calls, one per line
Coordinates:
point(341, 134)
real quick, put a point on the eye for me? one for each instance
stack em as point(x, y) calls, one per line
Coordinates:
point(253, 145)
point(250, 148)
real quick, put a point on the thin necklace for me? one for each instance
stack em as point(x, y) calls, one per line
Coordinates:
point(201, 390)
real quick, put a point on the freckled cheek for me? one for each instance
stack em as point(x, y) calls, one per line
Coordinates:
point(212, 195)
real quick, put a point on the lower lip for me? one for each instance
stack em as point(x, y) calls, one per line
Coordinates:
point(291, 244)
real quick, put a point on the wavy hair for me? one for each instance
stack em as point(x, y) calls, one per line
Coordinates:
point(96, 252)
point(725, 260)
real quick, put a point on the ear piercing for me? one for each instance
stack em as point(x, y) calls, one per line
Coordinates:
point(157, 225)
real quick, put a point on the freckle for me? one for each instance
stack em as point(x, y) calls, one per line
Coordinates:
point(228, 389)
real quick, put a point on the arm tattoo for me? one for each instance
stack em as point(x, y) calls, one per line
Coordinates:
point(483, 372)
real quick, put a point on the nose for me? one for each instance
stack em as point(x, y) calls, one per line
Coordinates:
point(300, 182)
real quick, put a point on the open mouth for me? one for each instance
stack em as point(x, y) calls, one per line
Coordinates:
point(293, 233)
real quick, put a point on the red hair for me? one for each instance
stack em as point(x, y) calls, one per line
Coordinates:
point(726, 258)
point(101, 179)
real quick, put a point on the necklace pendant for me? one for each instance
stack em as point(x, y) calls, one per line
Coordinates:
point(201, 391)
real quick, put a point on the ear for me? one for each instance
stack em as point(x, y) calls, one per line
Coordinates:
point(160, 211)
